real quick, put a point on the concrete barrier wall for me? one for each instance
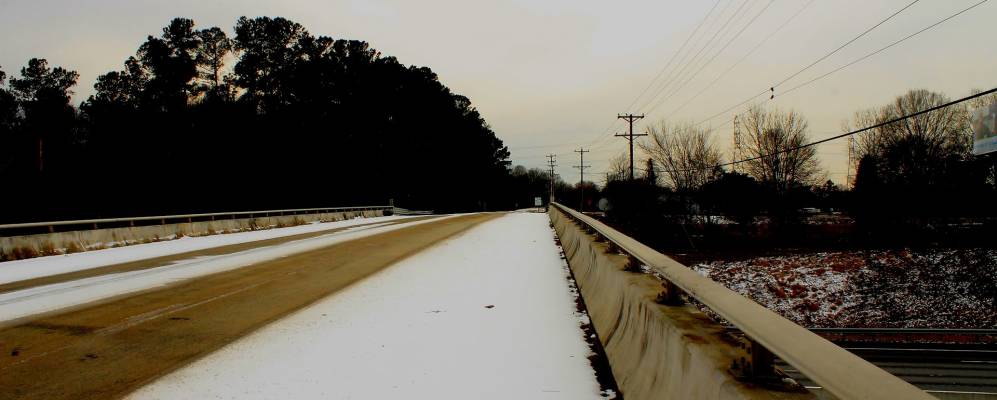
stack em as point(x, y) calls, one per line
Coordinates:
point(655, 351)
point(88, 239)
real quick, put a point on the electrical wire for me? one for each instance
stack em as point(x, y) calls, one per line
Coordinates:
point(843, 135)
point(602, 135)
point(664, 88)
point(672, 58)
point(825, 56)
point(744, 57)
point(714, 57)
point(846, 43)
point(880, 50)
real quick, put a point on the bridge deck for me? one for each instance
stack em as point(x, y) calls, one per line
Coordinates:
point(331, 315)
point(484, 315)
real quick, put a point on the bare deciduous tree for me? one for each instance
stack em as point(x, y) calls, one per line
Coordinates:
point(685, 153)
point(983, 100)
point(774, 138)
point(619, 168)
point(914, 147)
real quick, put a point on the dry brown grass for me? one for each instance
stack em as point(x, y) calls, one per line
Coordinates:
point(74, 247)
point(47, 249)
point(20, 253)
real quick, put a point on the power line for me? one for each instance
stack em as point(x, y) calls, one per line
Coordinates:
point(733, 107)
point(883, 48)
point(601, 140)
point(672, 58)
point(857, 131)
point(714, 57)
point(744, 57)
point(683, 57)
point(847, 43)
point(664, 88)
point(772, 88)
point(753, 97)
point(602, 136)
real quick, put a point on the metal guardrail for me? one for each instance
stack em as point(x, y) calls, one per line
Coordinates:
point(188, 217)
point(838, 371)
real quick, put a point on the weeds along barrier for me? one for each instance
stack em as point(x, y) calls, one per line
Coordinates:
point(34, 239)
point(661, 347)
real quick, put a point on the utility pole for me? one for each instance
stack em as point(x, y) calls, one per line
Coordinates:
point(581, 177)
point(630, 118)
point(552, 164)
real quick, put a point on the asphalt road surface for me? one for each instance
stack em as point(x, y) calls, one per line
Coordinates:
point(110, 348)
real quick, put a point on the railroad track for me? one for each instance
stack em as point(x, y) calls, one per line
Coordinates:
point(965, 370)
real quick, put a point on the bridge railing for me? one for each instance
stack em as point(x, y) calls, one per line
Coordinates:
point(52, 226)
point(838, 371)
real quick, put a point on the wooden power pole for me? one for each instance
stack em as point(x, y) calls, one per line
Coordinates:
point(630, 118)
point(581, 177)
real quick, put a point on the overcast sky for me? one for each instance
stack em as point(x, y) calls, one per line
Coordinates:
point(555, 73)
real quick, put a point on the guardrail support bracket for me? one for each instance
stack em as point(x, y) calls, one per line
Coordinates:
point(671, 295)
point(759, 367)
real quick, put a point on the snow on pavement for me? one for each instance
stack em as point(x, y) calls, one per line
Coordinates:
point(484, 315)
point(19, 270)
point(57, 296)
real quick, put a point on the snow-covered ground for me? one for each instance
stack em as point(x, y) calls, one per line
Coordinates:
point(19, 270)
point(934, 288)
point(484, 315)
point(40, 299)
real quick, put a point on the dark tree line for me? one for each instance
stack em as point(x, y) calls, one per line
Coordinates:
point(273, 117)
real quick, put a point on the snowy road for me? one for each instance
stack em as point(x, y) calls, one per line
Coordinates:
point(470, 306)
point(484, 315)
point(33, 268)
point(55, 296)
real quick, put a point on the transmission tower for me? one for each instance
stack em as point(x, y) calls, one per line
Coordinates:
point(551, 163)
point(853, 163)
point(738, 150)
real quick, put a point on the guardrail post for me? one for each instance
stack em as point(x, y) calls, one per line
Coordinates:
point(51, 229)
point(670, 295)
point(762, 361)
point(759, 367)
